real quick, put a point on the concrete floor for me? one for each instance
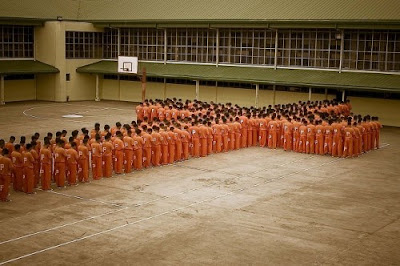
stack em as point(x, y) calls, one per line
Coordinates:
point(253, 206)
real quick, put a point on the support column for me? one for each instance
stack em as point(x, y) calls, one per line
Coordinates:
point(343, 95)
point(197, 89)
point(2, 97)
point(326, 94)
point(216, 91)
point(309, 93)
point(273, 94)
point(257, 91)
point(97, 99)
point(165, 89)
point(144, 81)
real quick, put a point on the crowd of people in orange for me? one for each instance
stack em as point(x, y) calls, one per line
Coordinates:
point(171, 130)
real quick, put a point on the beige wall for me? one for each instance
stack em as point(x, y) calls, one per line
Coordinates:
point(19, 90)
point(81, 86)
point(387, 110)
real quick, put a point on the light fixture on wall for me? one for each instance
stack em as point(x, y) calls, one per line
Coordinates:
point(59, 18)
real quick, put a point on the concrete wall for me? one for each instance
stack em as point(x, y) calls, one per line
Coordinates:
point(81, 86)
point(19, 90)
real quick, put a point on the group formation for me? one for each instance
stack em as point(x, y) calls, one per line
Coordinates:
point(167, 131)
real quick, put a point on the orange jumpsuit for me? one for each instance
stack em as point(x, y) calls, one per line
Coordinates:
point(83, 163)
point(303, 139)
point(139, 112)
point(18, 161)
point(310, 143)
point(138, 152)
point(250, 132)
point(97, 166)
point(146, 149)
point(194, 130)
point(244, 123)
point(217, 136)
point(36, 167)
point(256, 129)
point(328, 139)
point(225, 137)
point(209, 140)
point(128, 153)
point(296, 136)
point(45, 168)
point(72, 166)
point(161, 114)
point(263, 133)
point(319, 139)
point(171, 146)
point(178, 144)
point(238, 129)
point(287, 136)
point(156, 140)
point(337, 143)
point(203, 131)
point(29, 175)
point(272, 134)
point(185, 144)
point(108, 148)
point(279, 133)
point(6, 168)
point(119, 155)
point(164, 147)
point(348, 142)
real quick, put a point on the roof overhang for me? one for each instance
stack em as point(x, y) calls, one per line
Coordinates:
point(14, 67)
point(259, 75)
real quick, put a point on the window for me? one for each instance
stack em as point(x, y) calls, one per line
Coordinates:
point(83, 44)
point(16, 41)
point(309, 48)
point(110, 43)
point(372, 50)
point(147, 44)
point(191, 45)
point(247, 46)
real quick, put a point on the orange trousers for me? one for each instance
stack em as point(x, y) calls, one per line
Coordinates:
point(302, 144)
point(138, 159)
point(29, 180)
point(237, 141)
point(255, 137)
point(296, 142)
point(272, 140)
point(72, 173)
point(18, 178)
point(210, 145)
point(319, 144)
point(218, 143)
point(263, 138)
point(45, 174)
point(119, 161)
point(310, 144)
point(328, 145)
point(249, 137)
point(348, 147)
point(36, 170)
point(83, 170)
point(244, 137)
point(59, 174)
point(107, 165)
point(178, 151)
point(128, 160)
point(287, 142)
point(185, 150)
point(5, 181)
point(164, 154)
point(97, 170)
point(196, 147)
point(203, 147)
point(225, 143)
point(231, 141)
point(156, 155)
point(171, 149)
point(147, 155)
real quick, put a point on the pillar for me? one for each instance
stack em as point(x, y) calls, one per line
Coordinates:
point(197, 89)
point(97, 99)
point(309, 93)
point(216, 91)
point(165, 89)
point(343, 95)
point(2, 97)
point(257, 91)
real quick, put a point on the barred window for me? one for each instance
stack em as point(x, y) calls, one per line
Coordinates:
point(309, 48)
point(83, 44)
point(146, 44)
point(372, 50)
point(247, 46)
point(110, 43)
point(16, 41)
point(191, 45)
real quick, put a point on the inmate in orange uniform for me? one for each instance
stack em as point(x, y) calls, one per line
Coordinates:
point(171, 146)
point(203, 131)
point(128, 153)
point(303, 138)
point(119, 154)
point(97, 162)
point(156, 140)
point(6, 168)
point(194, 132)
point(178, 144)
point(107, 157)
point(243, 134)
point(147, 149)
point(185, 144)
point(225, 137)
point(60, 156)
point(29, 175)
point(319, 139)
point(72, 164)
point(288, 136)
point(217, 135)
point(348, 142)
point(238, 128)
point(272, 134)
point(18, 162)
point(36, 167)
point(209, 139)
point(83, 162)
point(263, 132)
point(45, 167)
point(310, 143)
point(328, 139)
point(164, 147)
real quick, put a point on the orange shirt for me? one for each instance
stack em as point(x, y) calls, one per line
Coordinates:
point(17, 159)
point(203, 132)
point(156, 139)
point(138, 142)
point(45, 156)
point(28, 159)
point(118, 144)
point(128, 143)
point(107, 148)
point(147, 139)
point(83, 152)
point(96, 149)
point(164, 135)
point(6, 166)
point(10, 147)
point(171, 138)
point(72, 156)
point(60, 155)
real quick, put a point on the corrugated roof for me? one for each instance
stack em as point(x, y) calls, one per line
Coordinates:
point(311, 78)
point(13, 67)
point(204, 10)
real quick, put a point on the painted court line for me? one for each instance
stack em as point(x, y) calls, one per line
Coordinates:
point(145, 219)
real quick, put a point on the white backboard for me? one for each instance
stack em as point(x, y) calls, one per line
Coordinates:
point(127, 64)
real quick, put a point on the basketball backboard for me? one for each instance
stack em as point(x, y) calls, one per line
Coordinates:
point(127, 64)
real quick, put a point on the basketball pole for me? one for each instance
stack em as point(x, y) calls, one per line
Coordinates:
point(143, 84)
